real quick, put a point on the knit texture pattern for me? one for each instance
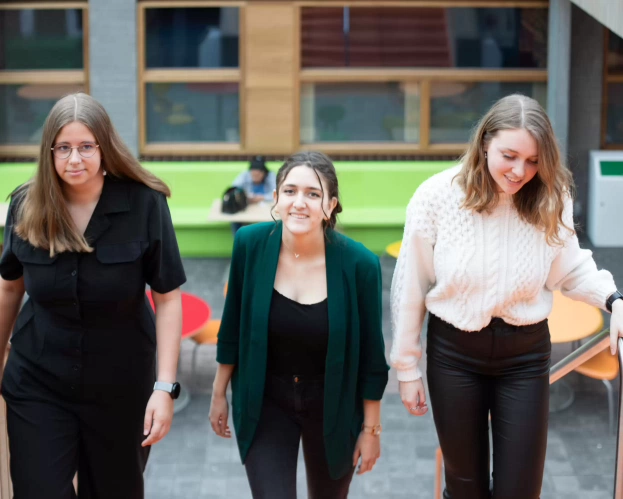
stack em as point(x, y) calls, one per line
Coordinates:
point(467, 267)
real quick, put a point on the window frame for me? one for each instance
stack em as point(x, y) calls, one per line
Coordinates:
point(424, 77)
point(188, 75)
point(47, 76)
point(607, 79)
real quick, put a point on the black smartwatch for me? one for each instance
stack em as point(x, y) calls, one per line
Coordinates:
point(611, 299)
point(172, 389)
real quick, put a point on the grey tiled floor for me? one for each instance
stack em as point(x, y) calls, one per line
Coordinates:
point(193, 463)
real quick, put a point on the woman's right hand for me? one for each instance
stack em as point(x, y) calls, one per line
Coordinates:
point(413, 397)
point(219, 412)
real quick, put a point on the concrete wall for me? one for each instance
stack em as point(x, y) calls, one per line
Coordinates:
point(585, 96)
point(113, 63)
point(607, 12)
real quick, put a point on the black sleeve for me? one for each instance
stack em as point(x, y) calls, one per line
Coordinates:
point(163, 265)
point(10, 267)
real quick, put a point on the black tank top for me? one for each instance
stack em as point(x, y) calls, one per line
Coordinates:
point(298, 336)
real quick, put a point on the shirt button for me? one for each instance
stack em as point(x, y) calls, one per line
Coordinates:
point(74, 303)
point(74, 272)
point(76, 351)
point(73, 387)
point(76, 367)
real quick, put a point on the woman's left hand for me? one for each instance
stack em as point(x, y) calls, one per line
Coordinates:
point(158, 417)
point(616, 325)
point(368, 448)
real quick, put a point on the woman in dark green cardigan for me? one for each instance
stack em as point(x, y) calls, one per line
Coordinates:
point(301, 341)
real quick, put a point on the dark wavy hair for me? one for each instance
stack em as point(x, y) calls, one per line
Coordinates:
point(324, 170)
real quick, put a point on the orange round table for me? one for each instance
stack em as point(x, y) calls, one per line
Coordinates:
point(195, 317)
point(393, 249)
point(572, 320)
point(569, 322)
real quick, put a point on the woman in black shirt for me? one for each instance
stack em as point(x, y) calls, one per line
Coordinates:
point(83, 238)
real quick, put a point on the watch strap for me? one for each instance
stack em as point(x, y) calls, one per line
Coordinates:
point(612, 298)
point(373, 430)
point(165, 387)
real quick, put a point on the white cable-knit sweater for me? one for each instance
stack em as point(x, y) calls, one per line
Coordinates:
point(467, 267)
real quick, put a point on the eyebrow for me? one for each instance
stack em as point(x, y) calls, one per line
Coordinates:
point(83, 142)
point(309, 187)
point(513, 150)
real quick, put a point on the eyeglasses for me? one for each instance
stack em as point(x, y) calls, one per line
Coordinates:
point(86, 150)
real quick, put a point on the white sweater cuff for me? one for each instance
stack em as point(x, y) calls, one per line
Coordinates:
point(409, 374)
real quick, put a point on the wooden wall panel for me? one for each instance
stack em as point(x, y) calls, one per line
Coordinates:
point(270, 77)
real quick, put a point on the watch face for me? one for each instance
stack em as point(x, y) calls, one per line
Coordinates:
point(175, 391)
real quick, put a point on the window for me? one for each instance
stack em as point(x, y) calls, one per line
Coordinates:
point(42, 58)
point(612, 132)
point(190, 79)
point(413, 78)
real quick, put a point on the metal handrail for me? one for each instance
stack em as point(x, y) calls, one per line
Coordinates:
point(586, 352)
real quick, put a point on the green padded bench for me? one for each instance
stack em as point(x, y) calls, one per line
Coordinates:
point(374, 196)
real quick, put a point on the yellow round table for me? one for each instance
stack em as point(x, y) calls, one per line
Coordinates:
point(394, 249)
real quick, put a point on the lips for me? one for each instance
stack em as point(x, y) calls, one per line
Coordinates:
point(298, 216)
point(512, 181)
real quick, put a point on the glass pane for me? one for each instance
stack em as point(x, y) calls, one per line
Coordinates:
point(615, 54)
point(614, 114)
point(457, 107)
point(200, 37)
point(24, 108)
point(192, 112)
point(423, 37)
point(360, 112)
point(41, 39)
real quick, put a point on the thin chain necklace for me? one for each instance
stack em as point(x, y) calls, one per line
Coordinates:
point(296, 255)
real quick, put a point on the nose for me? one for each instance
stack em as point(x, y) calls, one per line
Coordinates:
point(299, 202)
point(75, 157)
point(519, 169)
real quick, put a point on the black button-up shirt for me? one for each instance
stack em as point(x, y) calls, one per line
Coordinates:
point(89, 309)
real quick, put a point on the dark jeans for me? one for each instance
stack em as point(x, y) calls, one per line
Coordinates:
point(502, 370)
point(292, 411)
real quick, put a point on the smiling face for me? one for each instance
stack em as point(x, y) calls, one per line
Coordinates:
point(512, 159)
point(77, 171)
point(299, 201)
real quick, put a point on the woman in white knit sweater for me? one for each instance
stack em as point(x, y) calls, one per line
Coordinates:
point(484, 246)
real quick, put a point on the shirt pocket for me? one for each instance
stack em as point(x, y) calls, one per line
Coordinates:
point(39, 269)
point(119, 270)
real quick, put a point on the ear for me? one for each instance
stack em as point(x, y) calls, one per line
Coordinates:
point(275, 195)
point(332, 205)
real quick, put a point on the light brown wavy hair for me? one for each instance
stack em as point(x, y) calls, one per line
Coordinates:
point(541, 201)
point(42, 215)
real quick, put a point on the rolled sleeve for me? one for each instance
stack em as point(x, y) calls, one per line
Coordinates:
point(11, 268)
point(373, 366)
point(163, 264)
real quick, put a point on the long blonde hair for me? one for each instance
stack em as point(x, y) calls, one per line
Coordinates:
point(42, 215)
point(541, 201)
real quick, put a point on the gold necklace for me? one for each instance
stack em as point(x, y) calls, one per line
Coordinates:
point(296, 255)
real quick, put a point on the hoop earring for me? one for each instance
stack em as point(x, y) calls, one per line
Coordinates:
point(485, 155)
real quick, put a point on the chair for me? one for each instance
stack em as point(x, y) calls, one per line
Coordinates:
point(207, 336)
point(393, 249)
point(603, 367)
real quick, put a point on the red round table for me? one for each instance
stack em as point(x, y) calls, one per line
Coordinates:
point(196, 313)
point(195, 317)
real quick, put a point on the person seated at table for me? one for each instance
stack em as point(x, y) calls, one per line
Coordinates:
point(301, 297)
point(258, 184)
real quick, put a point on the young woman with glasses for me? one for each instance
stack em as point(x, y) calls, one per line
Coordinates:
point(83, 238)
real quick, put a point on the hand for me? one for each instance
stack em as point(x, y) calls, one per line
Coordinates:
point(616, 325)
point(368, 448)
point(256, 199)
point(158, 417)
point(219, 412)
point(413, 397)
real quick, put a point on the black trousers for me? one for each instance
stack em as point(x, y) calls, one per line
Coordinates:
point(503, 371)
point(55, 430)
point(292, 411)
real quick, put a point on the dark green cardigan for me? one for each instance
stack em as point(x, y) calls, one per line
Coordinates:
point(355, 366)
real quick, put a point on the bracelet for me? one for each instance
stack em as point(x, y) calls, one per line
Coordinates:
point(373, 430)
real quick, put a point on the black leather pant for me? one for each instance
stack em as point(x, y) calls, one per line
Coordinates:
point(501, 371)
